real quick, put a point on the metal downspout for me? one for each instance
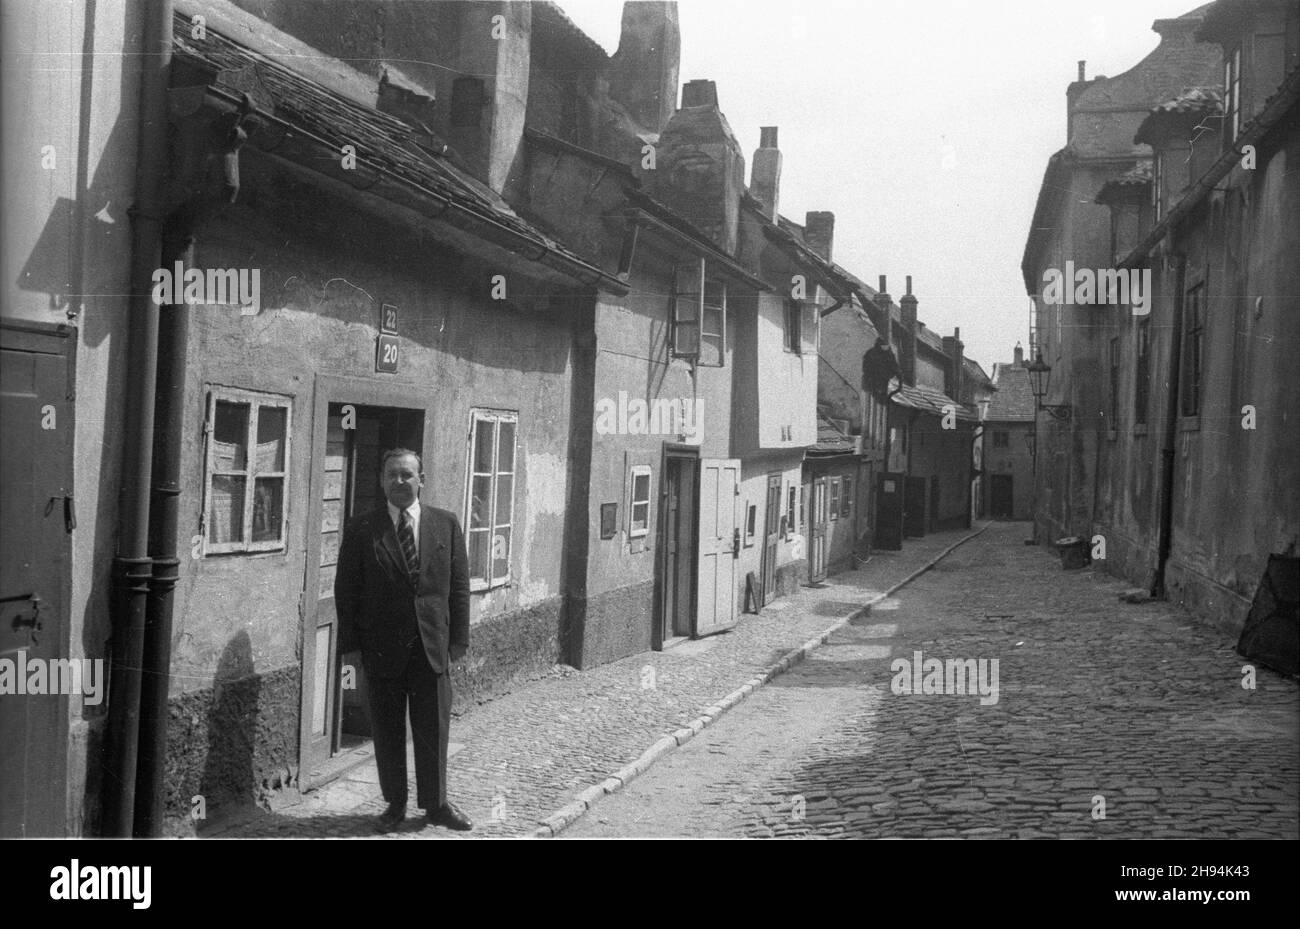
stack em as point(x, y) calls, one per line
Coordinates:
point(132, 565)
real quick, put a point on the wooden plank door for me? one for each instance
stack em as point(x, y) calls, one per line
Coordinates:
point(817, 531)
point(715, 607)
point(36, 430)
point(771, 536)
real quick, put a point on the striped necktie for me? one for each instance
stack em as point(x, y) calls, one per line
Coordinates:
point(406, 536)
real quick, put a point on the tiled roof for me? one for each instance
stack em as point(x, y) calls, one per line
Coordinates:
point(1131, 180)
point(383, 142)
point(830, 440)
point(1191, 103)
point(973, 369)
point(1014, 400)
point(929, 400)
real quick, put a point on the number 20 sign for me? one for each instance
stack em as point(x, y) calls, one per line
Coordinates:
point(386, 346)
point(386, 354)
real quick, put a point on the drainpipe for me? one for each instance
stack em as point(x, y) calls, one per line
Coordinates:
point(1171, 435)
point(132, 565)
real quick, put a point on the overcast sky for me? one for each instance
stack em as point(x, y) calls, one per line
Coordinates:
point(924, 125)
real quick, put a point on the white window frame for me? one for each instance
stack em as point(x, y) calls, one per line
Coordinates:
point(833, 490)
point(255, 401)
point(633, 531)
point(690, 284)
point(720, 310)
point(494, 417)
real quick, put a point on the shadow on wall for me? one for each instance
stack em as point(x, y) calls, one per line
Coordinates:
point(228, 774)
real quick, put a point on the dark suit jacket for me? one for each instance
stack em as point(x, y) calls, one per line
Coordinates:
point(377, 604)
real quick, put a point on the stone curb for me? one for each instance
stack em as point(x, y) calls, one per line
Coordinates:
point(568, 814)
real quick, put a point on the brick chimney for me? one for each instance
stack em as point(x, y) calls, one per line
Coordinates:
point(487, 86)
point(765, 175)
point(819, 232)
point(643, 72)
point(1019, 357)
point(954, 370)
point(700, 171)
point(907, 349)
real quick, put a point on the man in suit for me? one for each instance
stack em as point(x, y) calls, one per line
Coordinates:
point(402, 595)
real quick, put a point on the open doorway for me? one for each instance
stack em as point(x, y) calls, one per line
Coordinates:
point(345, 483)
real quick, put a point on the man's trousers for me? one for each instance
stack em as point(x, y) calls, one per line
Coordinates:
point(429, 694)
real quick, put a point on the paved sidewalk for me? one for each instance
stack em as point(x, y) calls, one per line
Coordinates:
point(524, 756)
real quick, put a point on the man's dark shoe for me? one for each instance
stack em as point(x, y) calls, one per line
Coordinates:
point(450, 816)
point(391, 818)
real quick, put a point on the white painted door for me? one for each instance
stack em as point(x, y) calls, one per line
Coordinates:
point(719, 489)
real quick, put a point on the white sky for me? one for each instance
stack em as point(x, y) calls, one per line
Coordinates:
point(868, 94)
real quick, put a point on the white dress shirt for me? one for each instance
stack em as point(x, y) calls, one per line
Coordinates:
point(414, 512)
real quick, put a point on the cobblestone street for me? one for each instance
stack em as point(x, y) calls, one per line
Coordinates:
point(1099, 702)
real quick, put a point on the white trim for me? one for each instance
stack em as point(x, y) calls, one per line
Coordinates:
point(638, 471)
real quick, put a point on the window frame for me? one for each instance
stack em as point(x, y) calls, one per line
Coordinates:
point(636, 471)
point(833, 499)
point(1192, 366)
point(496, 417)
point(691, 286)
point(792, 510)
point(846, 497)
point(255, 400)
point(793, 332)
point(1001, 438)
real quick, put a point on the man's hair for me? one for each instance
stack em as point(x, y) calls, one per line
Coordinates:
point(399, 453)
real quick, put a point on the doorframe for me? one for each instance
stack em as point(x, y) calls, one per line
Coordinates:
point(689, 453)
point(327, 389)
point(58, 339)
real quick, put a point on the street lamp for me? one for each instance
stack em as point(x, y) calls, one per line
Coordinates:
point(1040, 380)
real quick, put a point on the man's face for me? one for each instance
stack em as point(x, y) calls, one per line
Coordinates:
point(402, 480)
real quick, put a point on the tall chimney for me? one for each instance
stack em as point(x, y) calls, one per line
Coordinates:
point(907, 350)
point(488, 80)
point(643, 72)
point(1019, 357)
point(700, 172)
point(819, 232)
point(954, 371)
point(765, 175)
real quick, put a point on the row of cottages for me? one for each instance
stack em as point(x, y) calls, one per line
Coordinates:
point(1194, 460)
point(484, 239)
point(1009, 442)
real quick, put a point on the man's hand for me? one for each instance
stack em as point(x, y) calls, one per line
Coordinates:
point(456, 651)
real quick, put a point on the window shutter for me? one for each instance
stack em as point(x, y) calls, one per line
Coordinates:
point(688, 305)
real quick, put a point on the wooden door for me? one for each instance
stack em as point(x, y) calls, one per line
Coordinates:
point(817, 524)
point(771, 536)
point(36, 431)
point(719, 541)
point(678, 540)
point(1000, 496)
point(889, 512)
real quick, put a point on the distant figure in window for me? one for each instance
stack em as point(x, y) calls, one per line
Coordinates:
point(402, 595)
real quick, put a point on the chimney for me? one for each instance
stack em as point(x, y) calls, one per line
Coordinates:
point(955, 369)
point(1072, 92)
point(487, 86)
point(819, 232)
point(401, 97)
point(643, 72)
point(765, 176)
point(700, 172)
point(907, 349)
point(1019, 357)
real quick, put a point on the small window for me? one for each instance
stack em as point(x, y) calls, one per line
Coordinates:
point(1193, 349)
point(835, 498)
point(791, 508)
point(1142, 375)
point(1001, 438)
point(751, 522)
point(688, 297)
point(713, 325)
point(247, 472)
point(639, 506)
point(489, 517)
point(793, 327)
point(846, 499)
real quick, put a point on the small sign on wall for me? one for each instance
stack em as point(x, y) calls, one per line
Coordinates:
point(388, 319)
point(386, 354)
